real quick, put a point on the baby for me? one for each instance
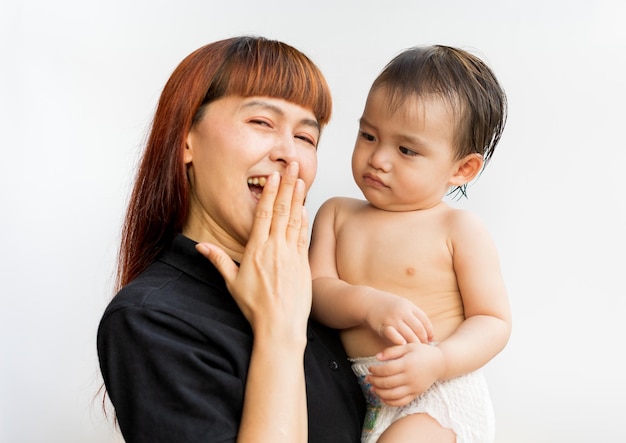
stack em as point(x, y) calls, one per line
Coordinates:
point(414, 284)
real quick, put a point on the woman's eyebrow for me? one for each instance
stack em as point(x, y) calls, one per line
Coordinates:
point(279, 111)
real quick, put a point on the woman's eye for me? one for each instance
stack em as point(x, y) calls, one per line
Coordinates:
point(260, 122)
point(307, 139)
point(366, 136)
point(407, 151)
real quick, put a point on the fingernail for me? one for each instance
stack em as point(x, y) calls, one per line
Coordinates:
point(202, 248)
point(273, 178)
point(293, 168)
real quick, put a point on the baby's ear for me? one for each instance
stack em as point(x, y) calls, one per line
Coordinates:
point(467, 169)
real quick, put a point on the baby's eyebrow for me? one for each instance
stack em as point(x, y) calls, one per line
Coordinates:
point(400, 137)
point(409, 139)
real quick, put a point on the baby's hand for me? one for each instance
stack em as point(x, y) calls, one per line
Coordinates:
point(397, 319)
point(407, 372)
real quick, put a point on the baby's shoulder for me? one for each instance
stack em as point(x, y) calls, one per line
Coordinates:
point(339, 210)
point(345, 201)
point(343, 205)
point(453, 214)
point(462, 223)
point(462, 216)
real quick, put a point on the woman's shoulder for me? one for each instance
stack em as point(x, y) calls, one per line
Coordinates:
point(163, 290)
point(146, 288)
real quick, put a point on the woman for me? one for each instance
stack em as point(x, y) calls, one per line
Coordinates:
point(192, 352)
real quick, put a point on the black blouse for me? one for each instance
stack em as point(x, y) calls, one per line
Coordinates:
point(174, 351)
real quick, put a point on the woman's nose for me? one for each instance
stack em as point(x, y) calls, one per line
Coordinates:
point(284, 149)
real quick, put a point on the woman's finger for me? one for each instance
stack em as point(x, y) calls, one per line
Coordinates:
point(264, 212)
point(303, 240)
point(224, 264)
point(294, 224)
point(282, 210)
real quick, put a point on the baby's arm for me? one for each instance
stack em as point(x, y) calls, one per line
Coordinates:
point(487, 325)
point(341, 305)
point(482, 335)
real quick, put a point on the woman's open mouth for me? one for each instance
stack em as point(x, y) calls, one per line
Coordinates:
point(256, 185)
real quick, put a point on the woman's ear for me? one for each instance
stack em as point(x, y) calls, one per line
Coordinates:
point(187, 150)
point(467, 169)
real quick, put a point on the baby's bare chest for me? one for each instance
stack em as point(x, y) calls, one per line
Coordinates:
point(396, 252)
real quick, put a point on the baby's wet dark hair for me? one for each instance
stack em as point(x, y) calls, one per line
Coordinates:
point(468, 85)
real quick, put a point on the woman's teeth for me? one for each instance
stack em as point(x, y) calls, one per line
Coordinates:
point(257, 181)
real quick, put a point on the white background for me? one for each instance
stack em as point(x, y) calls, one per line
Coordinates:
point(79, 81)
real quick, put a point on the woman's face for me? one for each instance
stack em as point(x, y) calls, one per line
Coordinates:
point(237, 143)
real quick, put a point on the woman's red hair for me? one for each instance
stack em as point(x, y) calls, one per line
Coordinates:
point(244, 66)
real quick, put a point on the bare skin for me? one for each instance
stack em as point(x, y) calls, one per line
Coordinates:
point(417, 428)
point(402, 268)
point(272, 143)
point(418, 267)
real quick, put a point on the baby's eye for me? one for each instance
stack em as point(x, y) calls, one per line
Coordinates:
point(366, 136)
point(407, 151)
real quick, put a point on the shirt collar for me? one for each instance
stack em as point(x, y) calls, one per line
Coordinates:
point(182, 255)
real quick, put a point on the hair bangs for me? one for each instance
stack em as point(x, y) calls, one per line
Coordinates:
point(268, 68)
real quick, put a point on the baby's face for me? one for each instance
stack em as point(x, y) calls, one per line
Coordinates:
point(404, 160)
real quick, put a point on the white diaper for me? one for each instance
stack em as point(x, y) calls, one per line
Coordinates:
point(461, 404)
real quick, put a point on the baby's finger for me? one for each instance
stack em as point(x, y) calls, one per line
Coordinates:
point(392, 334)
point(414, 332)
point(395, 397)
point(392, 353)
point(425, 325)
point(382, 376)
point(391, 383)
